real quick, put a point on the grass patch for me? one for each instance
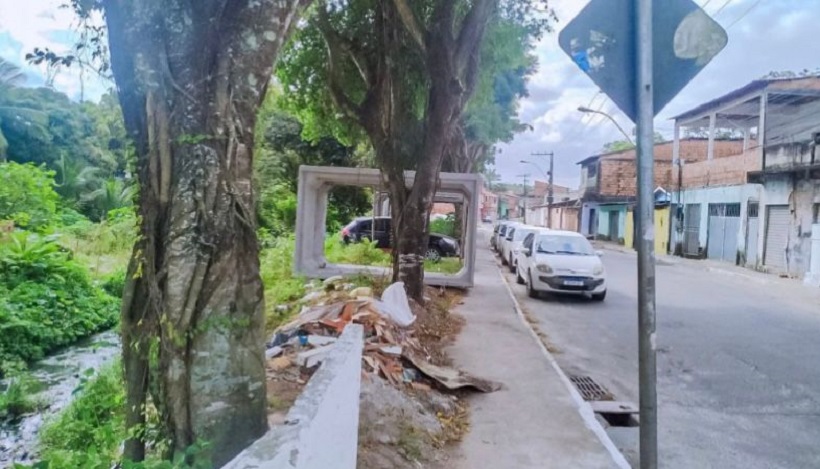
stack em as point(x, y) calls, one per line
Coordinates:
point(17, 399)
point(282, 287)
point(88, 433)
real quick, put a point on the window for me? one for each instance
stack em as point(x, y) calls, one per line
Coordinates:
point(528, 241)
point(592, 170)
point(816, 213)
point(510, 234)
point(563, 244)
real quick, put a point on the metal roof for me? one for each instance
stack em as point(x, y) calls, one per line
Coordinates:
point(781, 84)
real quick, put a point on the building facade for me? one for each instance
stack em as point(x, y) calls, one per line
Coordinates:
point(757, 207)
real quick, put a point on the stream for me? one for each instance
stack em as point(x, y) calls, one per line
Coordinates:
point(59, 375)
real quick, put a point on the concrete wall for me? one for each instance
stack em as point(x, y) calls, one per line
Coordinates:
point(603, 221)
point(741, 194)
point(800, 195)
point(316, 181)
point(587, 223)
point(322, 427)
point(725, 171)
point(662, 220)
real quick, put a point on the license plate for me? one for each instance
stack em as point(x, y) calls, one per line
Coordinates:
point(573, 283)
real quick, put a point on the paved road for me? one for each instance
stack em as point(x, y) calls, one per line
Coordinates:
point(738, 362)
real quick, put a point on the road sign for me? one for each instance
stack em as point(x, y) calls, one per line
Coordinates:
point(601, 41)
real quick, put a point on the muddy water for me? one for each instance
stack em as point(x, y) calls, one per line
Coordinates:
point(59, 375)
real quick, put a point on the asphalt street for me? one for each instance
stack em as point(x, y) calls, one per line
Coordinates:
point(738, 360)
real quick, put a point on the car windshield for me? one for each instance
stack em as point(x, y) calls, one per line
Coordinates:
point(521, 234)
point(563, 244)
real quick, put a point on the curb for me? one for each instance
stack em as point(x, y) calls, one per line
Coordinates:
point(584, 409)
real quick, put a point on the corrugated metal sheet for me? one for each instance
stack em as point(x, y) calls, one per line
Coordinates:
point(777, 237)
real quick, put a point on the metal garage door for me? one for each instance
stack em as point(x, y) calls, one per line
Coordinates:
point(691, 230)
point(777, 237)
point(752, 230)
point(724, 224)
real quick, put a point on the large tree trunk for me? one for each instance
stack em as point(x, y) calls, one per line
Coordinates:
point(190, 77)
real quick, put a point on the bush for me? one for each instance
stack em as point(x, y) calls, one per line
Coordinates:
point(16, 400)
point(89, 431)
point(361, 253)
point(46, 300)
point(281, 286)
point(27, 196)
point(445, 226)
point(114, 282)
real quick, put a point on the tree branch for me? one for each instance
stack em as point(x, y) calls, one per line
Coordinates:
point(337, 94)
point(472, 30)
point(411, 23)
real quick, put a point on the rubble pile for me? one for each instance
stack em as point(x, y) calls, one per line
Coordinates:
point(391, 349)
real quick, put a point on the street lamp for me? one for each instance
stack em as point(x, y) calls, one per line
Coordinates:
point(587, 110)
point(543, 173)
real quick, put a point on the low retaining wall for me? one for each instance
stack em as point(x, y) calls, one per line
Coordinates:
point(321, 430)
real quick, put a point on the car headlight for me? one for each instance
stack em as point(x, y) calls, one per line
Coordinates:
point(598, 270)
point(544, 268)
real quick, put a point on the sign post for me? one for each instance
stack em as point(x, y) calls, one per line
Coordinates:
point(642, 57)
point(647, 370)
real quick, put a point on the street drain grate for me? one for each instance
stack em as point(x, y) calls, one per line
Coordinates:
point(590, 390)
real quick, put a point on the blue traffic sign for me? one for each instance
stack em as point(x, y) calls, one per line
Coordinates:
point(601, 41)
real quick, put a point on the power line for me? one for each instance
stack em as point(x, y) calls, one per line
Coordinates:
point(717, 12)
point(754, 5)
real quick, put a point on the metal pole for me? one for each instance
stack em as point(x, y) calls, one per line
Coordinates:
point(647, 370)
point(550, 195)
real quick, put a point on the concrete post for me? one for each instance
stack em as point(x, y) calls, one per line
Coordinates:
point(813, 276)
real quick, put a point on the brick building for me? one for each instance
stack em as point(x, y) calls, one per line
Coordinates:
point(609, 181)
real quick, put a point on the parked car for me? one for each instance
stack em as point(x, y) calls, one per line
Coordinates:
point(438, 245)
point(513, 246)
point(500, 231)
point(561, 262)
point(506, 239)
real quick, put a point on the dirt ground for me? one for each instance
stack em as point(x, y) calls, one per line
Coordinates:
point(405, 425)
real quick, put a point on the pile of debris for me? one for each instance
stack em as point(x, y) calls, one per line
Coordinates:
point(391, 350)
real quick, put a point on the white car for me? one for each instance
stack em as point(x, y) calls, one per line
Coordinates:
point(513, 245)
point(561, 262)
point(503, 228)
point(513, 248)
point(505, 240)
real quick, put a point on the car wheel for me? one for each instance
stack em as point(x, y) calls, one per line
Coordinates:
point(433, 254)
point(518, 278)
point(531, 292)
point(599, 296)
point(511, 263)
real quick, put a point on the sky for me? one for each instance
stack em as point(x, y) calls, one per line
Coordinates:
point(764, 36)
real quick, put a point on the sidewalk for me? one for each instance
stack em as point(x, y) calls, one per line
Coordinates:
point(534, 421)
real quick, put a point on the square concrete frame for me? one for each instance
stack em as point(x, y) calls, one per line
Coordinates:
point(315, 182)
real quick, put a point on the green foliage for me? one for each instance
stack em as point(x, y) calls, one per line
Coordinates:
point(40, 125)
point(114, 282)
point(362, 253)
point(27, 195)
point(445, 226)
point(88, 433)
point(46, 300)
point(281, 149)
point(281, 286)
point(110, 194)
point(16, 400)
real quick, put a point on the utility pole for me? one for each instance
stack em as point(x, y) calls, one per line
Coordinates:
point(524, 177)
point(647, 370)
point(550, 192)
